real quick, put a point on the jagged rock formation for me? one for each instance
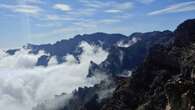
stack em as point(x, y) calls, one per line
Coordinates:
point(138, 44)
point(12, 51)
point(43, 60)
point(91, 98)
point(185, 34)
point(123, 59)
point(70, 46)
point(165, 81)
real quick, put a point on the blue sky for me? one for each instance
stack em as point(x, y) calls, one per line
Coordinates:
point(46, 21)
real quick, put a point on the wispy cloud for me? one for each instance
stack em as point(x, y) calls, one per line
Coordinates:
point(108, 6)
point(112, 11)
point(120, 7)
point(146, 1)
point(32, 1)
point(58, 32)
point(80, 26)
point(82, 12)
point(109, 21)
point(94, 24)
point(62, 7)
point(176, 8)
point(25, 9)
point(124, 6)
point(82, 17)
point(87, 8)
point(56, 17)
point(51, 24)
point(93, 3)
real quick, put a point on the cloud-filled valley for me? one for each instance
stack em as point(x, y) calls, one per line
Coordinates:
point(97, 55)
point(24, 85)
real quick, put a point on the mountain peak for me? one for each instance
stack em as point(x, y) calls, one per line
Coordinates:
point(165, 80)
point(185, 33)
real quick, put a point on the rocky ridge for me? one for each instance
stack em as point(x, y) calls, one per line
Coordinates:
point(166, 79)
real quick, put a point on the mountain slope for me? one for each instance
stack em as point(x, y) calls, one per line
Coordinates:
point(165, 81)
point(61, 48)
point(123, 59)
point(89, 98)
point(71, 46)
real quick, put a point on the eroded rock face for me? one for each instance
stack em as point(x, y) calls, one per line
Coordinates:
point(165, 81)
point(181, 94)
point(122, 59)
point(185, 33)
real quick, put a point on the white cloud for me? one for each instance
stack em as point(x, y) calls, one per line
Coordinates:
point(146, 1)
point(82, 12)
point(176, 8)
point(31, 1)
point(105, 93)
point(54, 18)
point(113, 11)
point(109, 21)
point(93, 3)
point(108, 6)
point(129, 43)
point(90, 23)
point(79, 26)
point(120, 7)
point(124, 6)
point(53, 61)
point(21, 59)
point(22, 88)
point(25, 9)
point(50, 24)
point(2, 54)
point(62, 7)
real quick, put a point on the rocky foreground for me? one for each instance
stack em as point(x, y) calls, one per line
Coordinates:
point(165, 81)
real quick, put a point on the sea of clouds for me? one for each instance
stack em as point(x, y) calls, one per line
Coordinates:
point(23, 85)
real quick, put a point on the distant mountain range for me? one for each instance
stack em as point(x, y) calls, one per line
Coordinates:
point(164, 81)
point(70, 46)
point(137, 43)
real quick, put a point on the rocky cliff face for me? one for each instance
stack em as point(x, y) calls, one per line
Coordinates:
point(185, 34)
point(165, 81)
point(121, 60)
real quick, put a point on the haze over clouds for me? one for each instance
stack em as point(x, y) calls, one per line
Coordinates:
point(23, 86)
